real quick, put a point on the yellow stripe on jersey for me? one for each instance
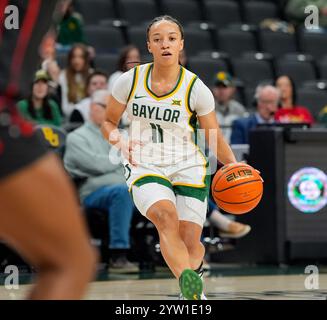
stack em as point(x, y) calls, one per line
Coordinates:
point(152, 94)
point(188, 95)
point(134, 83)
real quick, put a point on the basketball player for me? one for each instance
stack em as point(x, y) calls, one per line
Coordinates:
point(39, 213)
point(165, 170)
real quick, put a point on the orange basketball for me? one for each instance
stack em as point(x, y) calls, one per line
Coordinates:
point(237, 188)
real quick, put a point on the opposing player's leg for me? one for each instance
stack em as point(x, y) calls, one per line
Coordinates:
point(41, 219)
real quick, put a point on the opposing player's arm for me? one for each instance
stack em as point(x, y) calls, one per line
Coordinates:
point(204, 105)
point(215, 138)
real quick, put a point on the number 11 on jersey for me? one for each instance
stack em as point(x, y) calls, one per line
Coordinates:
point(157, 133)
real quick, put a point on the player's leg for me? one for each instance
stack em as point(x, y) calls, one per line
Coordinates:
point(190, 233)
point(157, 203)
point(41, 219)
point(192, 215)
point(164, 216)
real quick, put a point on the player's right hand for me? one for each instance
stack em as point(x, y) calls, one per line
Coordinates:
point(127, 149)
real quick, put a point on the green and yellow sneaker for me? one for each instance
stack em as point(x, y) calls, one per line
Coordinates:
point(191, 285)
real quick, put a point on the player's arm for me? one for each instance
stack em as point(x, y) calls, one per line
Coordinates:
point(215, 138)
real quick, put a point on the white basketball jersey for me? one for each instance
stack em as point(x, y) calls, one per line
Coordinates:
point(165, 124)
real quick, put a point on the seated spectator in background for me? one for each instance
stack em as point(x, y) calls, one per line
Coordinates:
point(129, 57)
point(295, 11)
point(71, 28)
point(227, 109)
point(50, 65)
point(97, 80)
point(38, 107)
point(289, 111)
point(266, 100)
point(73, 79)
point(87, 156)
point(227, 228)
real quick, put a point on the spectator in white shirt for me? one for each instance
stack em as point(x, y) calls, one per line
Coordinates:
point(73, 79)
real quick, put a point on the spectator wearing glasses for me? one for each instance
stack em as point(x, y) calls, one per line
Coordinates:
point(266, 102)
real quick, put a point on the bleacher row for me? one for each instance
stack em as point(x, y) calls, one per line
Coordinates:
point(219, 35)
point(220, 12)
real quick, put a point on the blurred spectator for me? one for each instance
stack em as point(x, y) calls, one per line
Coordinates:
point(104, 188)
point(129, 57)
point(73, 79)
point(227, 109)
point(227, 228)
point(97, 80)
point(289, 111)
point(50, 65)
point(322, 118)
point(266, 101)
point(70, 30)
point(295, 10)
point(38, 107)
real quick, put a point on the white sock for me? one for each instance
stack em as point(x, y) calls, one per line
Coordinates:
point(219, 220)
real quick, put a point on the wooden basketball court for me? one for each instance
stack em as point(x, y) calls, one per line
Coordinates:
point(259, 283)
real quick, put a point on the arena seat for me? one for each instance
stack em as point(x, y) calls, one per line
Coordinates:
point(300, 71)
point(206, 68)
point(137, 11)
point(197, 40)
point(183, 10)
point(222, 13)
point(313, 99)
point(96, 10)
point(104, 39)
point(313, 43)
point(256, 11)
point(137, 36)
point(323, 67)
point(235, 42)
point(106, 63)
point(286, 42)
point(252, 71)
